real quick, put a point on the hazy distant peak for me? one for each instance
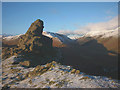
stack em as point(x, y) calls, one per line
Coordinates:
point(102, 33)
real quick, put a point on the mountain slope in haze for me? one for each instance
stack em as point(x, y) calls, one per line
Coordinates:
point(106, 38)
point(102, 33)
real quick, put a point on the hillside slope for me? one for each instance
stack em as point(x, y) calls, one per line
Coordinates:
point(106, 38)
point(51, 75)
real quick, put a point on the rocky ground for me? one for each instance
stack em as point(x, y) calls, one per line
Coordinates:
point(51, 75)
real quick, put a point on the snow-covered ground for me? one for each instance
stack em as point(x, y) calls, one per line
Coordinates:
point(62, 38)
point(75, 36)
point(103, 34)
point(57, 76)
point(96, 33)
point(12, 37)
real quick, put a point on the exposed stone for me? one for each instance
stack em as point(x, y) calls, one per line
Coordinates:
point(25, 63)
point(36, 28)
point(53, 62)
point(48, 65)
point(38, 68)
point(44, 70)
point(32, 43)
point(33, 40)
point(77, 71)
point(73, 70)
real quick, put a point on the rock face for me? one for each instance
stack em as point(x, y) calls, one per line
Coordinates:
point(36, 28)
point(33, 40)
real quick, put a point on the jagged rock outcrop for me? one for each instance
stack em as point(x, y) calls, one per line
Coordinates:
point(36, 28)
point(32, 42)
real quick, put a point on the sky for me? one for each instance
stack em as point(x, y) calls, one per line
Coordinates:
point(57, 16)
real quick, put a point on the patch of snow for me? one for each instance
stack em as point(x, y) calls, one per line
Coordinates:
point(12, 37)
point(62, 38)
point(102, 33)
point(75, 36)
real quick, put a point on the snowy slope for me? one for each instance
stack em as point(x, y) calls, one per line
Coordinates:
point(96, 33)
point(62, 38)
point(102, 33)
point(59, 76)
point(12, 37)
point(74, 36)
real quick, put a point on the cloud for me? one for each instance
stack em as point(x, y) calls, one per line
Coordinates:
point(109, 25)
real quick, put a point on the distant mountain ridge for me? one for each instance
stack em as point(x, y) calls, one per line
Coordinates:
point(105, 37)
point(102, 34)
point(58, 39)
point(69, 37)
